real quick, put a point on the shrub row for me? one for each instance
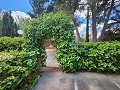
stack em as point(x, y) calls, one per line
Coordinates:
point(98, 57)
point(8, 43)
point(19, 71)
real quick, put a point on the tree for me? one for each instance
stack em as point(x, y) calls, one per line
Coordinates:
point(106, 19)
point(91, 6)
point(101, 11)
point(0, 27)
point(1, 23)
point(87, 26)
point(64, 5)
point(40, 7)
point(70, 6)
point(116, 16)
point(9, 27)
point(94, 9)
point(16, 28)
point(112, 34)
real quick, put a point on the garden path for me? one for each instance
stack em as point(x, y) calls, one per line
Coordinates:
point(51, 58)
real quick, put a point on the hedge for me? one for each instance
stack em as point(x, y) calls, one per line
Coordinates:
point(8, 43)
point(98, 57)
point(57, 26)
point(18, 71)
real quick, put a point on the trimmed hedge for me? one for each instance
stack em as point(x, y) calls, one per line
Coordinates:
point(8, 43)
point(98, 57)
point(19, 71)
point(57, 26)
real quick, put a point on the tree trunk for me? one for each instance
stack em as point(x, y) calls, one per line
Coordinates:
point(87, 26)
point(94, 29)
point(106, 21)
point(78, 35)
point(77, 31)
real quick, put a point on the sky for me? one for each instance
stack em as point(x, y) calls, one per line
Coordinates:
point(15, 5)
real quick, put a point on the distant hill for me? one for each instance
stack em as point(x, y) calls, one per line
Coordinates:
point(19, 16)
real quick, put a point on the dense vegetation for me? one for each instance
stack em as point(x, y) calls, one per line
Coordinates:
point(21, 58)
point(19, 69)
point(57, 26)
point(98, 57)
point(8, 43)
point(105, 14)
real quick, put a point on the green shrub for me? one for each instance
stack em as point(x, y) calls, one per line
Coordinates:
point(57, 26)
point(8, 43)
point(99, 56)
point(18, 71)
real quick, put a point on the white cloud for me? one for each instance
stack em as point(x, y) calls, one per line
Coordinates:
point(83, 1)
point(100, 25)
point(110, 21)
point(81, 13)
point(82, 27)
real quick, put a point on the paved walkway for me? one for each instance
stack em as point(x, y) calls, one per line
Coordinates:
point(55, 79)
point(51, 58)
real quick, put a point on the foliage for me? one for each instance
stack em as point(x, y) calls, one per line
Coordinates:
point(100, 57)
point(40, 7)
point(8, 43)
point(57, 26)
point(68, 5)
point(112, 35)
point(9, 27)
point(18, 71)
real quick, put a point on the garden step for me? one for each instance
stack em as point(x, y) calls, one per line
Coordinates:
point(51, 69)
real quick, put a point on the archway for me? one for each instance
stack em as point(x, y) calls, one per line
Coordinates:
point(57, 26)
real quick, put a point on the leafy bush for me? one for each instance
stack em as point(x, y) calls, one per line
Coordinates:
point(18, 71)
point(57, 26)
point(100, 57)
point(8, 43)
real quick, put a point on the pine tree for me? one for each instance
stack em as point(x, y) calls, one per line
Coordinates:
point(0, 27)
point(9, 26)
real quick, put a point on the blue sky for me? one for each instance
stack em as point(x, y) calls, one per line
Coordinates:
point(15, 5)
